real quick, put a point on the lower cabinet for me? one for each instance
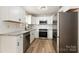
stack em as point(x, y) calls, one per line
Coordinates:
point(15, 44)
point(32, 35)
point(20, 44)
point(11, 44)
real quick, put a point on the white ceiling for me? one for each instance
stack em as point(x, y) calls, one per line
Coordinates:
point(35, 10)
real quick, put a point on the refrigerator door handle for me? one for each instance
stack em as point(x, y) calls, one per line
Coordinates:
point(58, 36)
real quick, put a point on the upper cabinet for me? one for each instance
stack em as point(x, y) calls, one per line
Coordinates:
point(12, 13)
point(41, 20)
point(28, 19)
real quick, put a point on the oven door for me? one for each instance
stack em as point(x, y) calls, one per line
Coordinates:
point(43, 33)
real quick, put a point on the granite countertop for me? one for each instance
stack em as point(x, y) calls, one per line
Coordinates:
point(16, 33)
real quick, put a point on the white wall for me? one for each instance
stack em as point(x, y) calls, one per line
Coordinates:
point(36, 19)
point(11, 13)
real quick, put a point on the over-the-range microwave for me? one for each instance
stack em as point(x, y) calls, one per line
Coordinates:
point(42, 22)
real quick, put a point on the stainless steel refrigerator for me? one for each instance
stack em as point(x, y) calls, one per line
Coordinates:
point(68, 32)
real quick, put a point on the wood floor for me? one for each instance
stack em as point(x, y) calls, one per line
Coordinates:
point(41, 45)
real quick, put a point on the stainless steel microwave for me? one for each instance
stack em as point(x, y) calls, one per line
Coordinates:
point(43, 22)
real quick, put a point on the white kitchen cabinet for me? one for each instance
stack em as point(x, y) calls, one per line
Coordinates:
point(14, 13)
point(20, 44)
point(28, 19)
point(32, 36)
point(11, 44)
point(33, 21)
point(8, 44)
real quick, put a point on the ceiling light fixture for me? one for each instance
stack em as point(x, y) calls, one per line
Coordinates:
point(43, 7)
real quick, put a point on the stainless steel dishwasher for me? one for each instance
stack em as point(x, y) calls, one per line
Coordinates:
point(26, 41)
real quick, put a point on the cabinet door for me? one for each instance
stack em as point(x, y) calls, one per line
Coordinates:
point(28, 19)
point(68, 32)
point(20, 44)
point(8, 44)
point(32, 36)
